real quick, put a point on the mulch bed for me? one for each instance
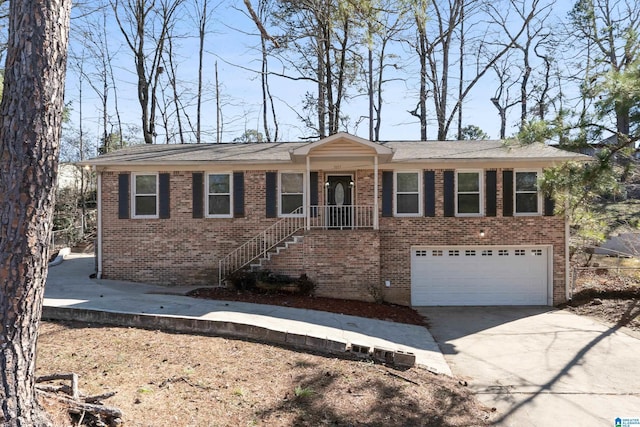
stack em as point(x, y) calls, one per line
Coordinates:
point(383, 311)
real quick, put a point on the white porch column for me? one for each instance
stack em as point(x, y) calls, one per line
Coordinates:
point(375, 193)
point(307, 198)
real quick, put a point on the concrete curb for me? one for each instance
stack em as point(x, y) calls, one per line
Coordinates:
point(61, 254)
point(230, 329)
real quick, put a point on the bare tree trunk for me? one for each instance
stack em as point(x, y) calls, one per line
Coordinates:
point(378, 104)
point(265, 91)
point(524, 92)
point(171, 72)
point(31, 118)
point(81, 143)
point(544, 90)
point(421, 109)
point(140, 16)
point(337, 106)
point(502, 111)
point(218, 110)
point(202, 33)
point(461, 70)
point(328, 75)
point(370, 86)
point(120, 140)
point(322, 90)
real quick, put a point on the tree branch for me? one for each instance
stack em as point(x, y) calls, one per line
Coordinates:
point(263, 31)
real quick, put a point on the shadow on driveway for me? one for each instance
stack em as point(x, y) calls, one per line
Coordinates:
point(540, 366)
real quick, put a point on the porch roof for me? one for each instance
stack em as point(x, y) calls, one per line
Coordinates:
point(289, 152)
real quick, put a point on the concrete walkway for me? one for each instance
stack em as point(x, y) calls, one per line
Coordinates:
point(539, 366)
point(71, 295)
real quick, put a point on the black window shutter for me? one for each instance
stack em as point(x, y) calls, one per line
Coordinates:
point(271, 195)
point(197, 180)
point(313, 197)
point(387, 193)
point(429, 193)
point(165, 200)
point(549, 205)
point(507, 193)
point(238, 194)
point(491, 194)
point(449, 193)
point(123, 196)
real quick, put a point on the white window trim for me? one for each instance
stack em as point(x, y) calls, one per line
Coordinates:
point(481, 191)
point(133, 195)
point(207, 194)
point(515, 192)
point(395, 194)
point(304, 195)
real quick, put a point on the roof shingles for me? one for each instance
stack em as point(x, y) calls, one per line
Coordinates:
point(403, 151)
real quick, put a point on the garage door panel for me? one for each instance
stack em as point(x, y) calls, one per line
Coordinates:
point(479, 276)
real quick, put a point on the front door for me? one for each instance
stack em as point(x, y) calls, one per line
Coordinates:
point(339, 201)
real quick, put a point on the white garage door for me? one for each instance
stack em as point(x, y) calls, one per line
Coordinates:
point(480, 275)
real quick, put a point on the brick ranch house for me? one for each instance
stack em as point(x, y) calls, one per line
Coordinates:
point(425, 223)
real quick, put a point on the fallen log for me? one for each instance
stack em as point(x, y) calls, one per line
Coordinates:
point(85, 406)
point(78, 407)
point(71, 377)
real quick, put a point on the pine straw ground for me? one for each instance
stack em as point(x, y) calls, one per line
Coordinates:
point(167, 379)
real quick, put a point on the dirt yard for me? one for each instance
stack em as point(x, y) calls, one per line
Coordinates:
point(166, 379)
point(609, 297)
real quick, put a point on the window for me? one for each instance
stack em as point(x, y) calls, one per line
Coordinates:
point(468, 193)
point(520, 252)
point(487, 252)
point(291, 193)
point(145, 196)
point(407, 193)
point(503, 252)
point(219, 195)
point(436, 252)
point(536, 252)
point(454, 253)
point(527, 199)
point(469, 252)
point(421, 253)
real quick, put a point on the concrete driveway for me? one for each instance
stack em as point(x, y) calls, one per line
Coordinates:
point(541, 366)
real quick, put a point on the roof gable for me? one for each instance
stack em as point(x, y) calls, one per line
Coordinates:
point(342, 145)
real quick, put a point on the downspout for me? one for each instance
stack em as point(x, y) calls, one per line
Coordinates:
point(99, 226)
point(375, 193)
point(567, 266)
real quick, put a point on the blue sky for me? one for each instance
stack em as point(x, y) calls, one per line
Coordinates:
point(232, 43)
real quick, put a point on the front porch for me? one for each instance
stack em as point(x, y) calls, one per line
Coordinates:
point(280, 235)
point(342, 217)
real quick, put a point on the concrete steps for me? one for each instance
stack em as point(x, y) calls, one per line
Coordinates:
point(293, 240)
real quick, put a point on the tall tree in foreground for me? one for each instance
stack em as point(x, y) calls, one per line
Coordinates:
point(30, 125)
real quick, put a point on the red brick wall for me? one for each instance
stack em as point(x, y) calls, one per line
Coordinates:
point(397, 235)
point(180, 250)
point(343, 263)
point(185, 251)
